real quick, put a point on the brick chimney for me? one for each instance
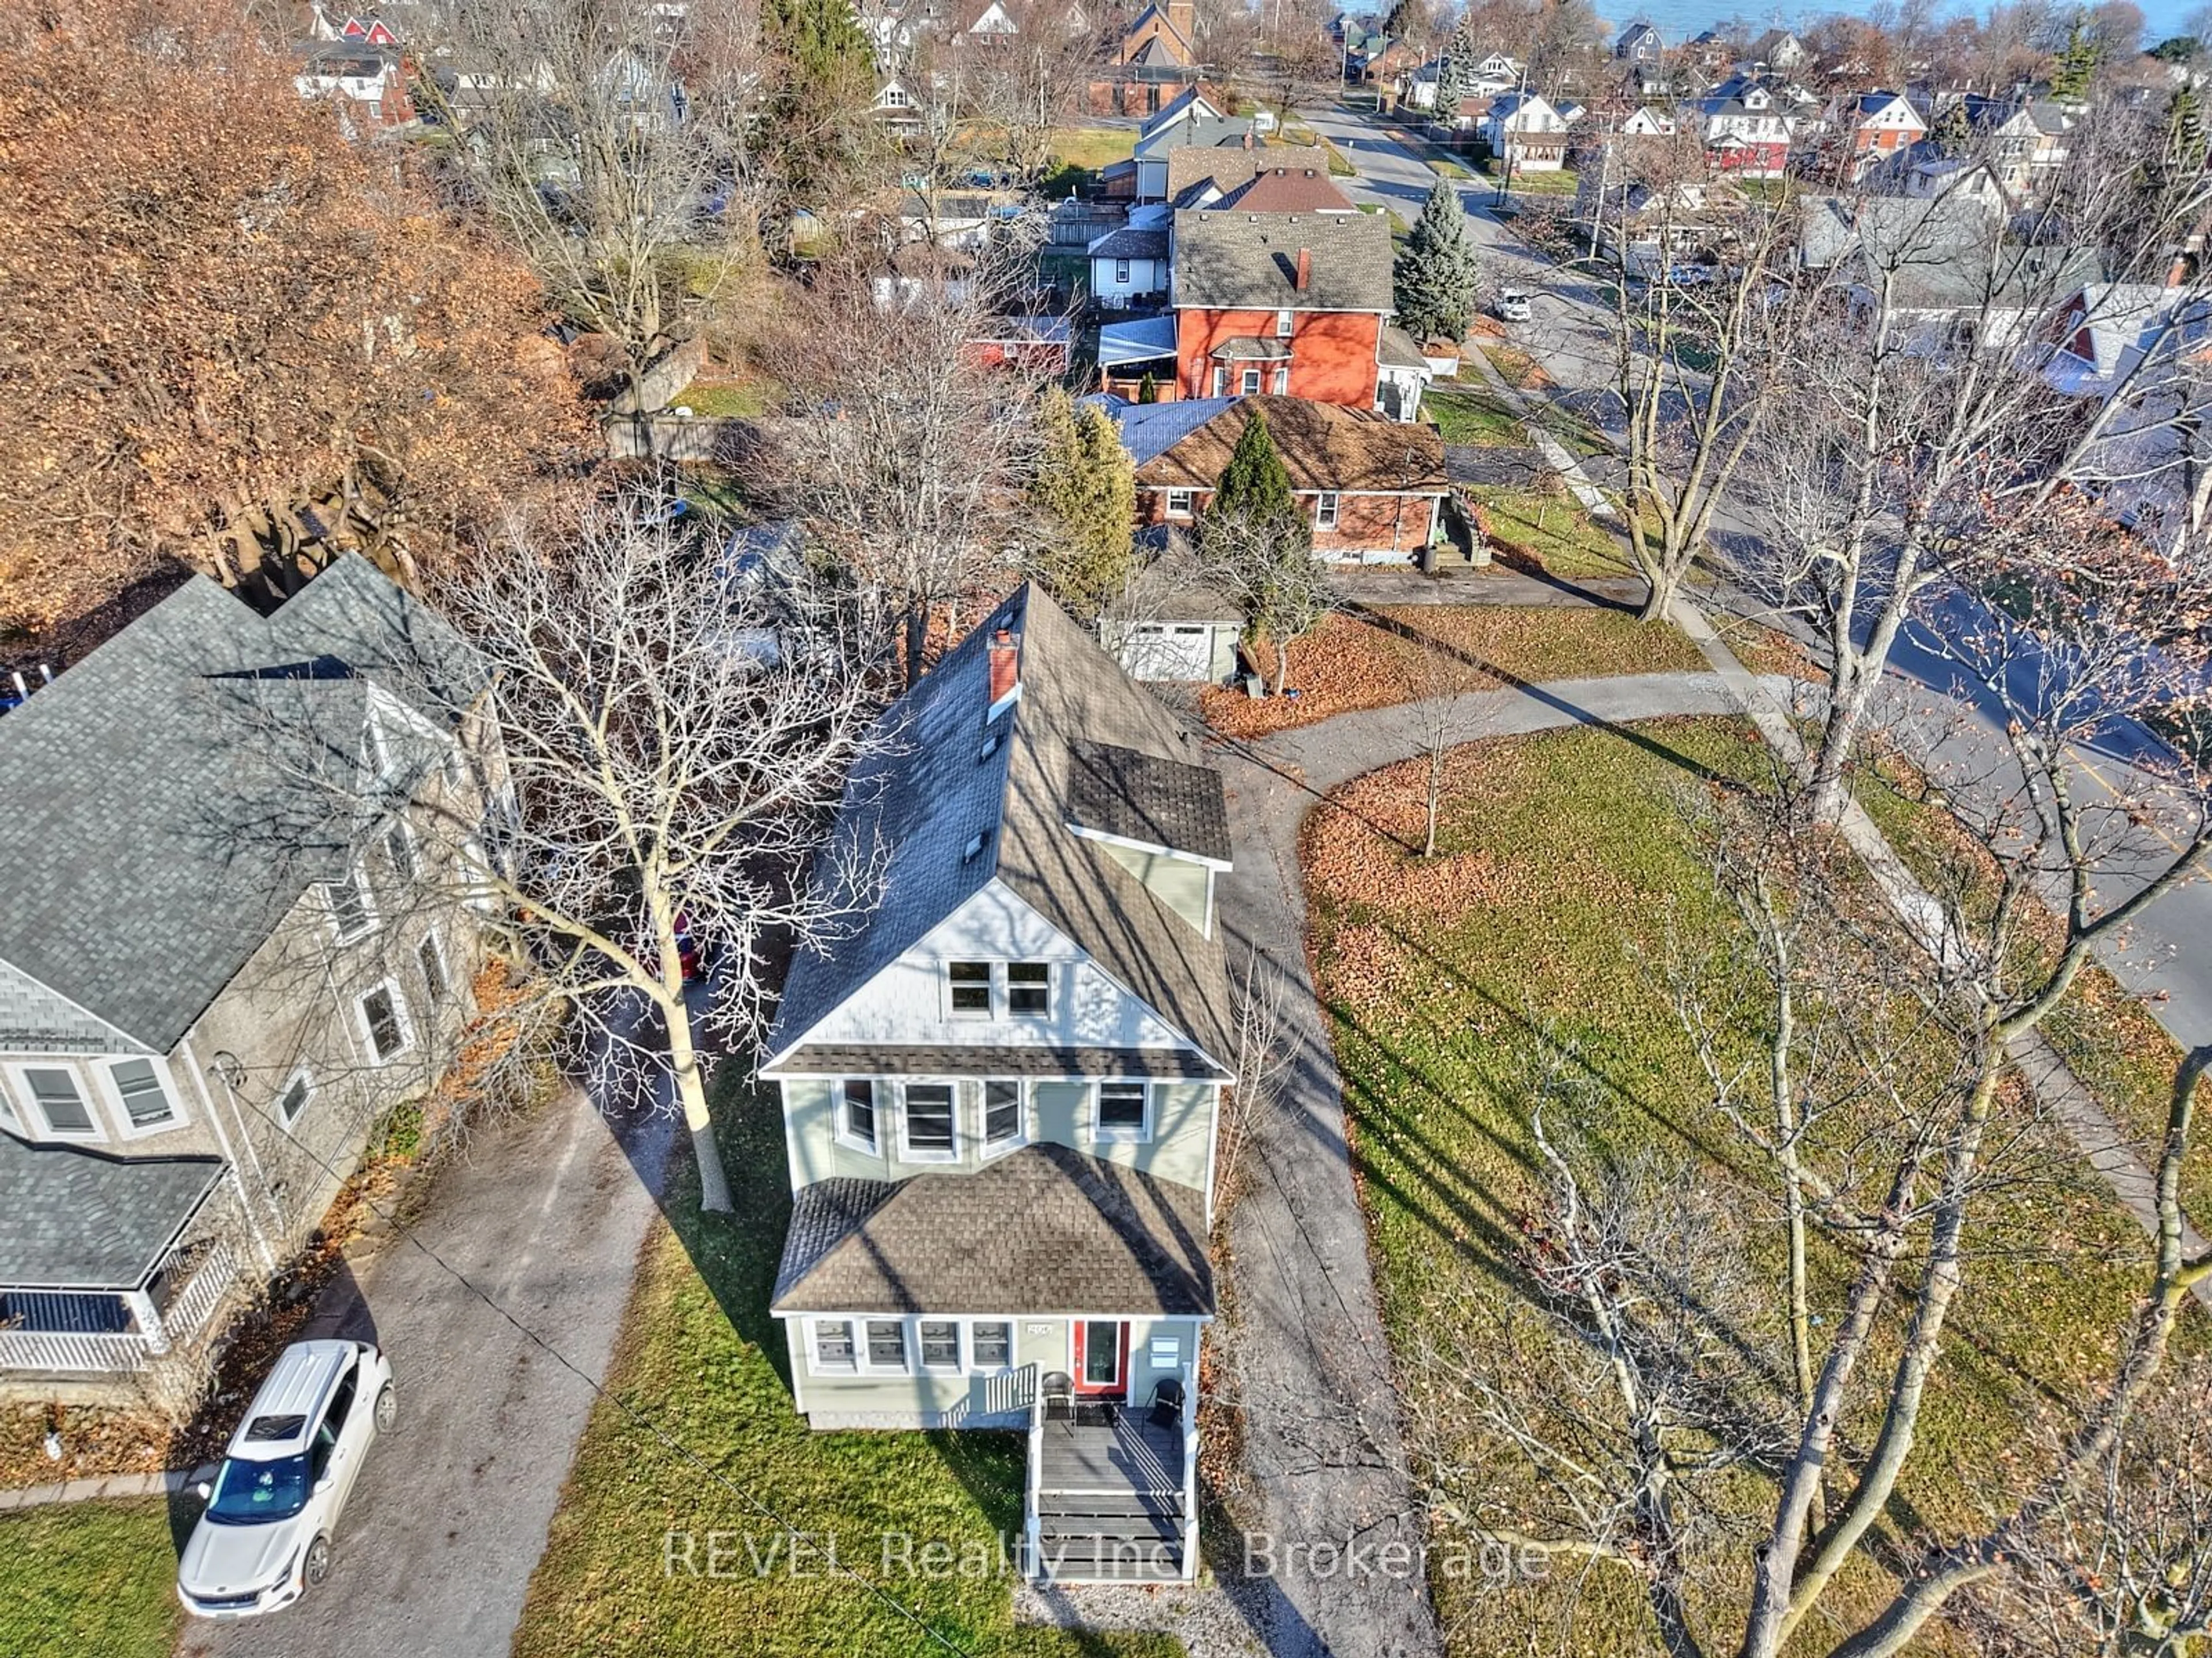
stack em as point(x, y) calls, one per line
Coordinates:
point(1305, 268)
point(1182, 17)
point(1006, 668)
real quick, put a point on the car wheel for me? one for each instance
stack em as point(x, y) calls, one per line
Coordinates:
point(387, 1409)
point(317, 1564)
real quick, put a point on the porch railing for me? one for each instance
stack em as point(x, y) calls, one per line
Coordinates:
point(1033, 1529)
point(1189, 1471)
point(202, 1292)
point(72, 1350)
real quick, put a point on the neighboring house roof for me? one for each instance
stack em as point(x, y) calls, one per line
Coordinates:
point(1323, 445)
point(1130, 243)
point(1175, 586)
point(1248, 348)
point(1192, 172)
point(1067, 1233)
point(1288, 189)
point(168, 797)
point(75, 1219)
point(925, 792)
point(1140, 340)
point(1191, 102)
point(1249, 261)
point(1399, 350)
point(1149, 429)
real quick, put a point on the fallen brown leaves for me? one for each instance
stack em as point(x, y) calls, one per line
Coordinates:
point(1382, 658)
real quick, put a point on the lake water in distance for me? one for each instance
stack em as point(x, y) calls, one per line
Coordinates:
point(1678, 19)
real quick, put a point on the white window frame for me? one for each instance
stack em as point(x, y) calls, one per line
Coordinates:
point(1002, 983)
point(814, 1364)
point(1220, 380)
point(990, 1008)
point(906, 1150)
point(429, 942)
point(1118, 1134)
point(34, 1119)
point(121, 1111)
point(867, 1365)
point(1187, 497)
point(1122, 273)
point(1248, 383)
point(960, 1347)
point(1328, 508)
point(300, 1077)
point(1283, 380)
point(1284, 322)
point(390, 986)
point(398, 833)
point(873, 1147)
point(354, 877)
point(988, 1148)
point(968, 1348)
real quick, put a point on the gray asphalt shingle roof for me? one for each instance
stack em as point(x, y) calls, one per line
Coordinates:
point(74, 1219)
point(163, 808)
point(971, 1060)
point(1068, 1234)
point(933, 787)
point(1249, 261)
point(1148, 797)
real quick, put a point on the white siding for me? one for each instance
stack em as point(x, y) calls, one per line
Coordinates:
point(906, 1002)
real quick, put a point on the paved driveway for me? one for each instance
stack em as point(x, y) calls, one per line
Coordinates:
point(439, 1539)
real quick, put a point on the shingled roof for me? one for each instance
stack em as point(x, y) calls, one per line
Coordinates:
point(1288, 189)
point(1068, 1234)
point(163, 814)
point(1323, 447)
point(1194, 170)
point(934, 785)
point(1249, 261)
point(74, 1219)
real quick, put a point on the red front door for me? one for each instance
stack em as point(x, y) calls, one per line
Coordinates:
point(1101, 1357)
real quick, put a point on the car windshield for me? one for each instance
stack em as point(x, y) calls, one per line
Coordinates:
point(248, 1493)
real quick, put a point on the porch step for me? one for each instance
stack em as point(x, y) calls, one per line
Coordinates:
point(1080, 1504)
point(1151, 1526)
point(1107, 1560)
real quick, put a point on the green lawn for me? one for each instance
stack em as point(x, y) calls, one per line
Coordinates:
point(700, 1358)
point(1551, 531)
point(1568, 879)
point(1561, 181)
point(746, 397)
point(88, 1580)
point(1475, 416)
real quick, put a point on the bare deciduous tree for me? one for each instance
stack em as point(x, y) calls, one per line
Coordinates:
point(672, 746)
point(912, 459)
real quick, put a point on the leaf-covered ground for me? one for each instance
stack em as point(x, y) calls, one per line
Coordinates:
point(1567, 874)
point(1376, 659)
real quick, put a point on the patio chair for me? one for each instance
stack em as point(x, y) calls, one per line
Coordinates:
point(1167, 1403)
point(1059, 1390)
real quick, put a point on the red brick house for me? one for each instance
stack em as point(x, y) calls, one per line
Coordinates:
point(1373, 487)
point(1287, 304)
point(1153, 61)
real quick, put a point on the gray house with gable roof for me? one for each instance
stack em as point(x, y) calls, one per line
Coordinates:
point(1001, 1096)
point(217, 965)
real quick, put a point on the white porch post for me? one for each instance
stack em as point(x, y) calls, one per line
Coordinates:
point(149, 1321)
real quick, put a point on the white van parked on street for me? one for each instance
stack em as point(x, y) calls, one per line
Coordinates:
point(265, 1537)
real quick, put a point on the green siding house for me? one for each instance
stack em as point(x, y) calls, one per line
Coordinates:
point(1001, 1092)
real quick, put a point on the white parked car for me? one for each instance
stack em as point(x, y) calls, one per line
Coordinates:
point(1513, 305)
point(265, 1538)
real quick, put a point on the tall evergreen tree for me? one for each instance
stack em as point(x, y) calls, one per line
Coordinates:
point(2077, 61)
point(1437, 277)
point(1085, 489)
point(1456, 74)
point(1254, 485)
point(1258, 542)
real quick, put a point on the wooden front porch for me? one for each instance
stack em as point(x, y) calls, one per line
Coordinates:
point(1113, 1497)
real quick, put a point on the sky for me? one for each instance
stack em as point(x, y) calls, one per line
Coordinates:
point(1678, 19)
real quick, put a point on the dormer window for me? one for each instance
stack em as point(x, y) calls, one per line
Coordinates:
point(975, 845)
point(969, 986)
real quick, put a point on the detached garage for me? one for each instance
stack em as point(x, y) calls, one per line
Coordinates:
point(1172, 624)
